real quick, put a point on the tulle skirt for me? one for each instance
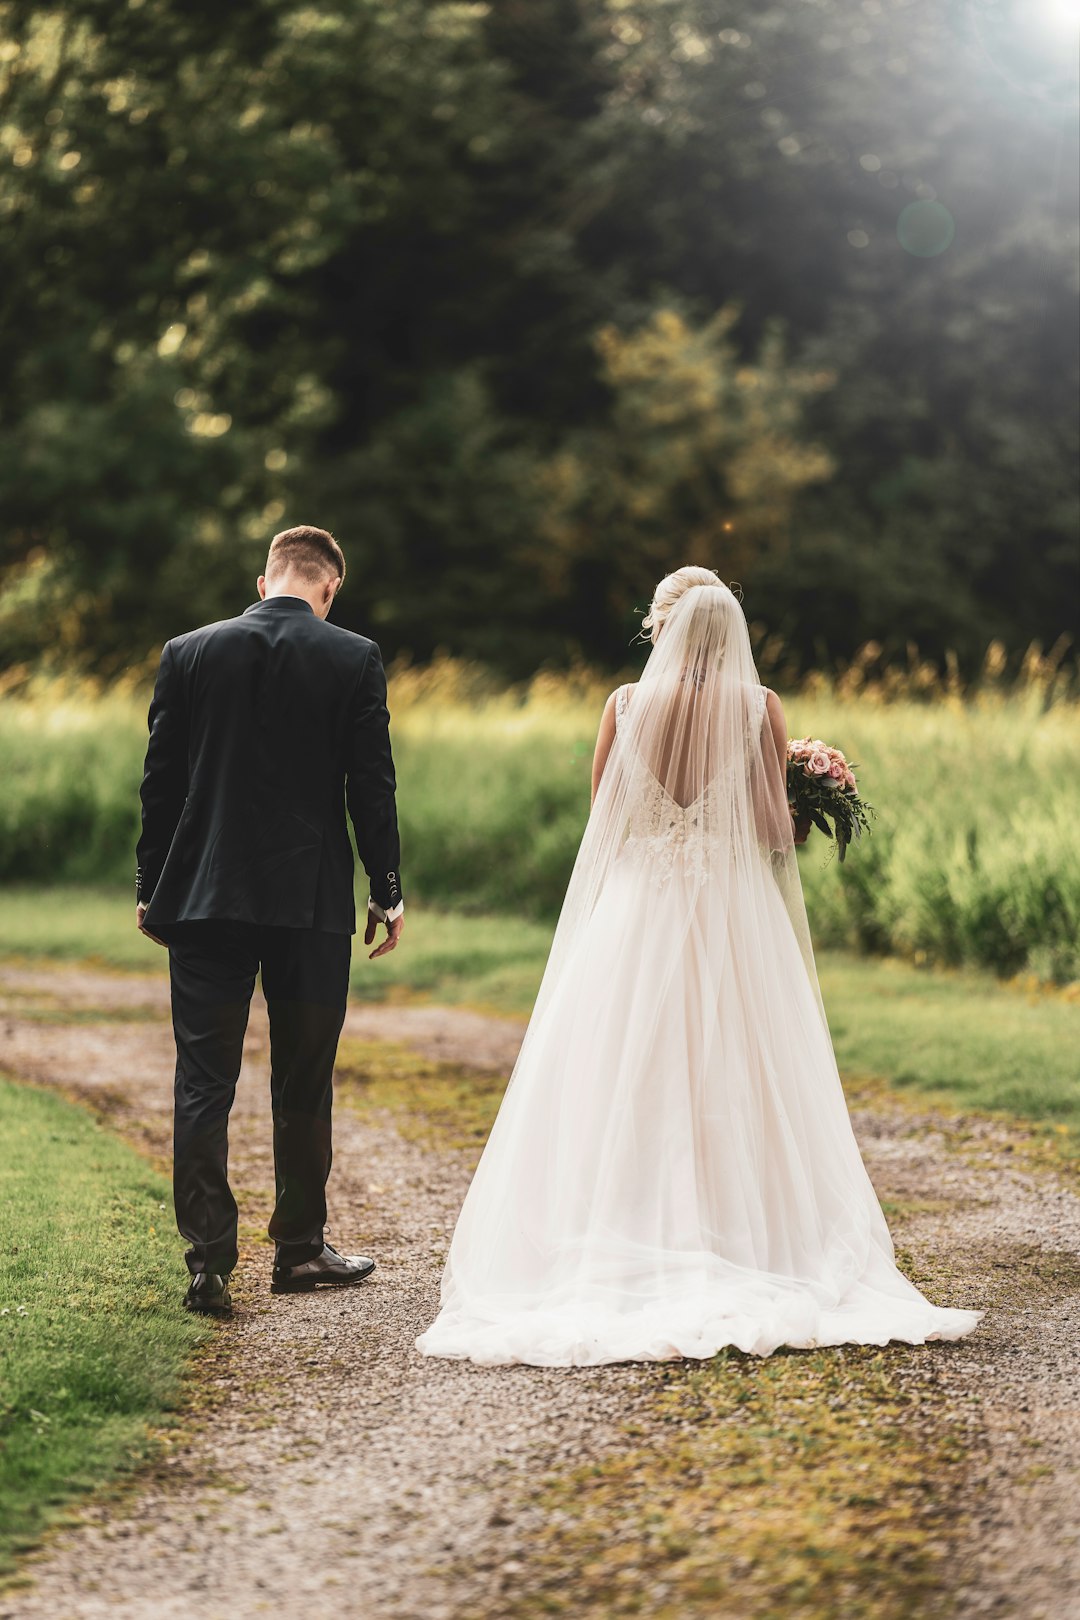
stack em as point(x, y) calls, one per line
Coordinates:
point(673, 1169)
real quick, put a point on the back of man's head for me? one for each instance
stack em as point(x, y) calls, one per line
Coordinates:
point(311, 553)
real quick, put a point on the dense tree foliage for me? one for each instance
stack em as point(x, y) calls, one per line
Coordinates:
point(531, 301)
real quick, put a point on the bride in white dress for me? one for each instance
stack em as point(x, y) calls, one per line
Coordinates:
point(673, 1168)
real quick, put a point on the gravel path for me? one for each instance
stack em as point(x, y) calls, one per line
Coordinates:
point(338, 1467)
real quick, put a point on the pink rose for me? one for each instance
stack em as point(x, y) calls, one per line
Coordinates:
point(819, 763)
point(849, 780)
point(836, 770)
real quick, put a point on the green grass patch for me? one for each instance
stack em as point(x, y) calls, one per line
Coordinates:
point(437, 1104)
point(986, 1046)
point(71, 923)
point(811, 1484)
point(92, 1340)
point(492, 963)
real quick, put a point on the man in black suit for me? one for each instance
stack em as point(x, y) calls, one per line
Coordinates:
point(263, 729)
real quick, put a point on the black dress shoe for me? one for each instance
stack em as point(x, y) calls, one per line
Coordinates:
point(209, 1293)
point(326, 1270)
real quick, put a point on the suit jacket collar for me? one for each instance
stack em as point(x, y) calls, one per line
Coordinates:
point(282, 604)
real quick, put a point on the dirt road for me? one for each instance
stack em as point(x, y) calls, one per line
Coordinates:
point(335, 1467)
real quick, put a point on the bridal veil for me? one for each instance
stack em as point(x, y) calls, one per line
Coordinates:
point(673, 1168)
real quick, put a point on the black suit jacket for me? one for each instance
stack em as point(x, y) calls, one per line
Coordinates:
point(262, 729)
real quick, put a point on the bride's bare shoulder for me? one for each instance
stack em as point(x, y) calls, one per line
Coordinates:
point(774, 713)
point(607, 719)
point(614, 709)
point(617, 699)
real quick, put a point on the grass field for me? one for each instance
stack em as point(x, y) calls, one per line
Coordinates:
point(958, 1032)
point(92, 1344)
point(975, 856)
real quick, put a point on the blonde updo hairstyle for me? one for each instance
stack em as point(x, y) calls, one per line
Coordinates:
point(668, 592)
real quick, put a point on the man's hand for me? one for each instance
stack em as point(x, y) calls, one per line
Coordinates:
point(140, 913)
point(393, 934)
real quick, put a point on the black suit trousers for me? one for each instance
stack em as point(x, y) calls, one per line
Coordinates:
point(305, 978)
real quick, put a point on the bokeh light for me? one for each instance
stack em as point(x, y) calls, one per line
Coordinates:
point(925, 228)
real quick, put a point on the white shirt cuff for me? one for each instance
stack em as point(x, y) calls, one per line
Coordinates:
point(385, 916)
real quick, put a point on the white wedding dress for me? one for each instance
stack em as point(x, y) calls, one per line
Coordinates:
point(673, 1169)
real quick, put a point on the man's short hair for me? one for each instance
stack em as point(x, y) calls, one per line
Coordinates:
point(314, 553)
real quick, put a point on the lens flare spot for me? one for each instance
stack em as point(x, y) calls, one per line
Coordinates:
point(925, 229)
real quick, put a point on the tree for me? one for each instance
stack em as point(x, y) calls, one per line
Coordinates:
point(400, 268)
point(700, 458)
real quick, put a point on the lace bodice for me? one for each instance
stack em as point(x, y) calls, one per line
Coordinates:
point(671, 837)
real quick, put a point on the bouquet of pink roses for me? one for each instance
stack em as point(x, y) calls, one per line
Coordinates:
point(821, 787)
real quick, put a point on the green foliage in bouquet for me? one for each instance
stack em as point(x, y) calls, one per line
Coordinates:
point(821, 788)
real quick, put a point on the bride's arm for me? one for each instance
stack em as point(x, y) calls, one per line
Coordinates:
point(604, 739)
point(774, 709)
point(778, 727)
